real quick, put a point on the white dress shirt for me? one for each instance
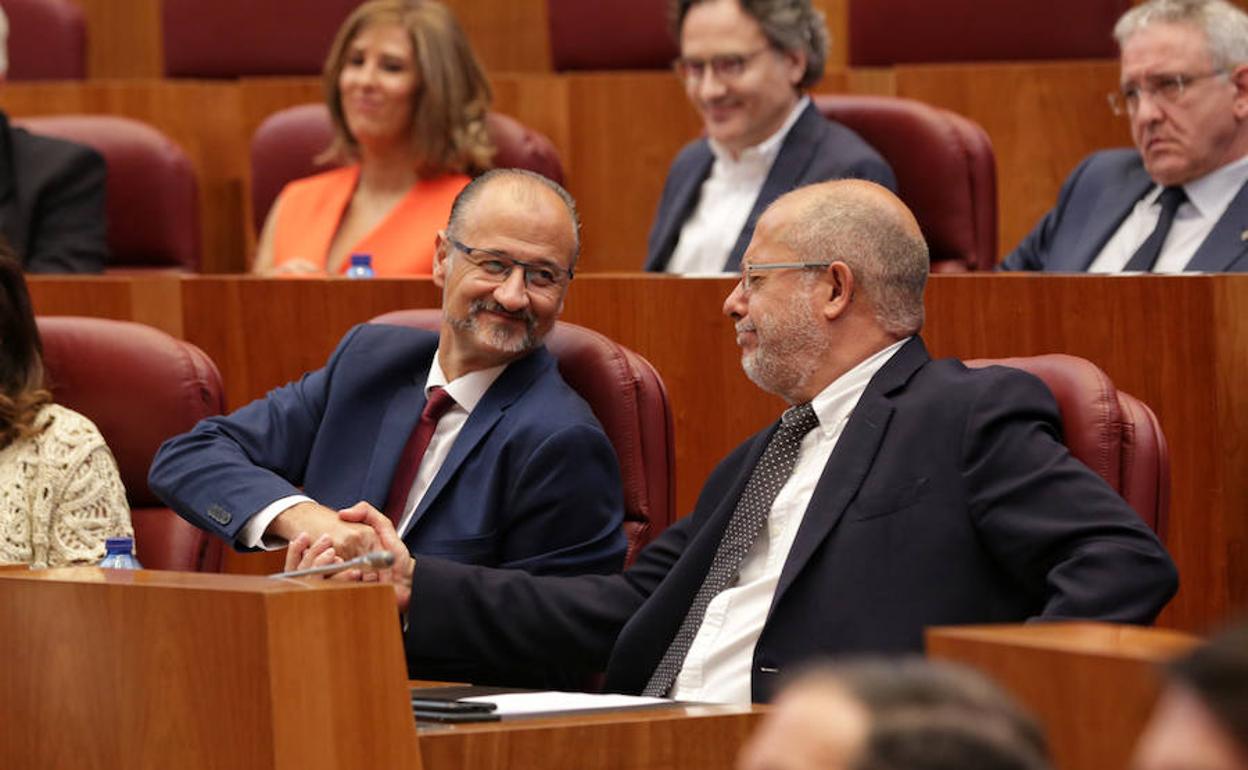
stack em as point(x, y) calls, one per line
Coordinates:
point(1207, 199)
point(720, 660)
point(467, 391)
point(725, 201)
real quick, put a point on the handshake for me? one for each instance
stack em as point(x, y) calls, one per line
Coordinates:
point(323, 537)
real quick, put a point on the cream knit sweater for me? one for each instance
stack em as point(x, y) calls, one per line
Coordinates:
point(60, 494)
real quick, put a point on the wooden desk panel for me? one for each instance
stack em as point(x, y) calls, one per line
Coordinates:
point(1180, 343)
point(690, 738)
point(1092, 685)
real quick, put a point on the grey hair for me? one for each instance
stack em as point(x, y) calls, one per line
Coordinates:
point(889, 263)
point(1225, 25)
point(790, 25)
point(463, 202)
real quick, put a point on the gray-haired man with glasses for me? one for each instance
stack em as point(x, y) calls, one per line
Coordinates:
point(466, 438)
point(1179, 201)
point(745, 66)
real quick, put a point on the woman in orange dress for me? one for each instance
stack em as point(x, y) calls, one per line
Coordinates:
point(408, 101)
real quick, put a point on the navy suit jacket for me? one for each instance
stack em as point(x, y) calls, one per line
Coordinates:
point(52, 202)
point(1095, 200)
point(949, 498)
point(531, 482)
point(815, 150)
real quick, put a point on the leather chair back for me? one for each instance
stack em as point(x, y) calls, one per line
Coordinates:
point(610, 35)
point(287, 142)
point(946, 172)
point(139, 386)
point(629, 399)
point(236, 38)
point(887, 32)
point(47, 40)
point(1113, 433)
point(153, 195)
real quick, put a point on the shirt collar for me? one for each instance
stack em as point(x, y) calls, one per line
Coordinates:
point(836, 402)
point(766, 150)
point(468, 389)
point(1212, 193)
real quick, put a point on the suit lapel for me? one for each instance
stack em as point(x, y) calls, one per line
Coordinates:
point(796, 152)
point(1225, 242)
point(1112, 207)
point(684, 198)
point(400, 419)
point(852, 459)
point(511, 384)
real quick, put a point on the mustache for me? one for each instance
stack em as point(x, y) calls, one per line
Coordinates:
point(744, 326)
point(479, 306)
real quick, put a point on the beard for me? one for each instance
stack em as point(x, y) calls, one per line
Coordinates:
point(787, 350)
point(502, 337)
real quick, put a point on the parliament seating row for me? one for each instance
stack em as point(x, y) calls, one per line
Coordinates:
point(141, 386)
point(240, 38)
point(944, 164)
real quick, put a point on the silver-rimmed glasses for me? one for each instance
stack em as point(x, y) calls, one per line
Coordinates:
point(1165, 89)
point(498, 266)
point(748, 280)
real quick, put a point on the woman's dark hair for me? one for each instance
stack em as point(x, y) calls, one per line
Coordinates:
point(22, 392)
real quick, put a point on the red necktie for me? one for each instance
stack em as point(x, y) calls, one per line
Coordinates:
point(405, 472)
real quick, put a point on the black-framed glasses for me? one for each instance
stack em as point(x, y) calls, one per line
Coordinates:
point(749, 281)
point(498, 266)
point(1165, 89)
point(726, 67)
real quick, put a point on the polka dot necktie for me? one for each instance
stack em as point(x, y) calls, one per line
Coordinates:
point(754, 506)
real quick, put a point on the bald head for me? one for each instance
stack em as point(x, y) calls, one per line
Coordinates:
point(521, 185)
point(869, 229)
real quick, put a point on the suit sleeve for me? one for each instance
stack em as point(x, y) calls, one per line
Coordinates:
point(508, 627)
point(565, 507)
point(68, 231)
point(1035, 250)
point(226, 469)
point(1050, 520)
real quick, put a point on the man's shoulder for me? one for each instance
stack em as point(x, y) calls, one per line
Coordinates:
point(387, 340)
point(1108, 167)
point(38, 150)
point(693, 154)
point(550, 400)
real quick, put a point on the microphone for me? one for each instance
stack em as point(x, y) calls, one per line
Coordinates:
point(370, 561)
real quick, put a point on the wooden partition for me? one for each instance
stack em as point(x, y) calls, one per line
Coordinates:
point(113, 669)
point(1180, 343)
point(1091, 685)
point(117, 669)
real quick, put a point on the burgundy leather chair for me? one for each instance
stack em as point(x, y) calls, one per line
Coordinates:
point(139, 386)
point(287, 142)
point(47, 40)
point(235, 38)
point(153, 195)
point(946, 172)
point(630, 401)
point(610, 35)
point(1113, 433)
point(887, 32)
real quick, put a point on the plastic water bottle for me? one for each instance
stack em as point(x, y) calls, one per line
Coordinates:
point(120, 554)
point(361, 266)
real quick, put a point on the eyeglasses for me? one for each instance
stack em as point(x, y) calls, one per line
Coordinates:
point(1164, 89)
point(726, 67)
point(497, 267)
point(749, 280)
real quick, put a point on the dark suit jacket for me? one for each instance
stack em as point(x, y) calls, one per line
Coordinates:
point(531, 481)
point(1095, 200)
point(815, 150)
point(949, 498)
point(52, 202)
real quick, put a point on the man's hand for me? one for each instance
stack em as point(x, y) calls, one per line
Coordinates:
point(400, 573)
point(348, 538)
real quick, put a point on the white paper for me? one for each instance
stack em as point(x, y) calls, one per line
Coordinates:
point(511, 704)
